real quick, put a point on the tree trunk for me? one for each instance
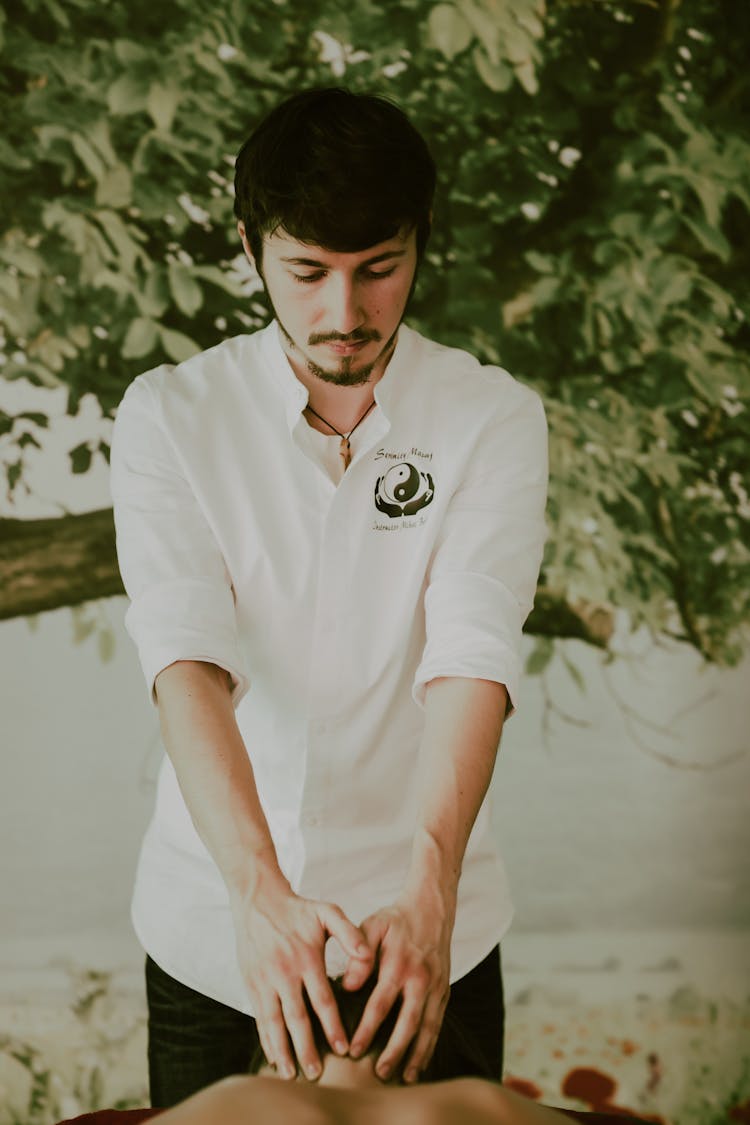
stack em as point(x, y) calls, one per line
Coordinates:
point(67, 560)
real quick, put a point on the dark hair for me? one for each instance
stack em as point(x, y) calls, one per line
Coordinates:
point(351, 1007)
point(458, 1053)
point(334, 169)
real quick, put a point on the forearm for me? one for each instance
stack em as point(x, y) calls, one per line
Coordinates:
point(463, 724)
point(205, 746)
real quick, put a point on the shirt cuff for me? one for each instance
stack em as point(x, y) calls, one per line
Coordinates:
point(473, 625)
point(187, 619)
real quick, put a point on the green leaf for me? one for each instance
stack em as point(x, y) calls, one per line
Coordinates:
point(124, 237)
point(140, 338)
point(217, 277)
point(106, 645)
point(162, 103)
point(540, 656)
point(485, 26)
point(127, 51)
point(546, 290)
point(497, 76)
point(177, 345)
point(127, 95)
point(448, 30)
point(153, 298)
point(83, 625)
point(80, 458)
point(88, 156)
point(10, 158)
point(575, 673)
point(542, 263)
point(186, 291)
point(13, 474)
point(115, 188)
point(711, 238)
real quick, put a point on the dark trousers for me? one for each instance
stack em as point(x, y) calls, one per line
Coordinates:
point(194, 1041)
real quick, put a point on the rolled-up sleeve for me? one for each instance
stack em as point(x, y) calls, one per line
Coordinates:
point(182, 601)
point(484, 571)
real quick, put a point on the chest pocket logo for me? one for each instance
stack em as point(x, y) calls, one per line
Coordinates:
point(403, 491)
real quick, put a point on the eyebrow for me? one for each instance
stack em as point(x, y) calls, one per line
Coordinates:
point(387, 256)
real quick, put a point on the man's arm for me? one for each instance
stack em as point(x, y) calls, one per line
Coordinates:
point(463, 724)
point(280, 936)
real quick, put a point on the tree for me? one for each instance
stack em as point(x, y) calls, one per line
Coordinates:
point(592, 235)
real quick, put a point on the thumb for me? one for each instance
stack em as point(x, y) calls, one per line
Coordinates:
point(359, 969)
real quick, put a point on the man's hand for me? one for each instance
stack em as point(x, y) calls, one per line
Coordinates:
point(281, 941)
point(412, 938)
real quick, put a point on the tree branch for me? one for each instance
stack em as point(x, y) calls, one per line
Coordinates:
point(45, 564)
point(65, 561)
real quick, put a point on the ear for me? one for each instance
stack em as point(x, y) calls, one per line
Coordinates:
point(245, 244)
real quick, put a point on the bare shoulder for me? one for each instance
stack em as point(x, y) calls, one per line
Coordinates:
point(467, 1099)
point(245, 1100)
point(480, 1102)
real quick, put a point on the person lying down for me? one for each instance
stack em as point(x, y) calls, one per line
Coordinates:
point(348, 1092)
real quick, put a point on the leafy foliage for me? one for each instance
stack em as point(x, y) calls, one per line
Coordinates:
point(592, 234)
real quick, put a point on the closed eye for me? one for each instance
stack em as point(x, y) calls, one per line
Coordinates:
point(306, 278)
point(366, 273)
point(373, 275)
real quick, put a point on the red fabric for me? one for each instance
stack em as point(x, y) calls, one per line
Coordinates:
point(586, 1117)
point(114, 1117)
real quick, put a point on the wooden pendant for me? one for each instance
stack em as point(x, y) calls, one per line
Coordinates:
point(346, 452)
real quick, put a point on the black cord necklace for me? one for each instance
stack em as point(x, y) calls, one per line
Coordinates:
point(344, 448)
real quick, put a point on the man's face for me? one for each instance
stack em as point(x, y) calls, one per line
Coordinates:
point(339, 312)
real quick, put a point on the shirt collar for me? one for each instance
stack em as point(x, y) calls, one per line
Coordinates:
point(295, 393)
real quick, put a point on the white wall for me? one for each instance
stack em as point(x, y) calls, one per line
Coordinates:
point(598, 832)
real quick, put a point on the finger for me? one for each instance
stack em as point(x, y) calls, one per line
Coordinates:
point(298, 1025)
point(350, 938)
point(274, 1034)
point(407, 1026)
point(381, 1001)
point(359, 969)
point(265, 1046)
point(427, 1037)
point(324, 1004)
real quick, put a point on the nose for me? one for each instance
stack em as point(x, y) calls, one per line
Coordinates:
point(344, 306)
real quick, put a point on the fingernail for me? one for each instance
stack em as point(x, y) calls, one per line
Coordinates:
point(355, 1050)
point(340, 1047)
point(411, 1076)
point(384, 1072)
point(363, 950)
point(312, 1071)
point(288, 1071)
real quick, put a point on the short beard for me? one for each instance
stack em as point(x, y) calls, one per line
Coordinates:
point(346, 375)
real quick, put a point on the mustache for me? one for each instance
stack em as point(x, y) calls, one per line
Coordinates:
point(357, 337)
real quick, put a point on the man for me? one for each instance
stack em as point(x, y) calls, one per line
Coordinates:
point(330, 532)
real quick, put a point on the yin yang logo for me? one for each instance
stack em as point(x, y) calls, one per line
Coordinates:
point(403, 491)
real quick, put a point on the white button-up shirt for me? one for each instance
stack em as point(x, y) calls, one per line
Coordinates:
point(332, 600)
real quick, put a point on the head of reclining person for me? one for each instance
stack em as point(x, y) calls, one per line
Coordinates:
point(343, 1071)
